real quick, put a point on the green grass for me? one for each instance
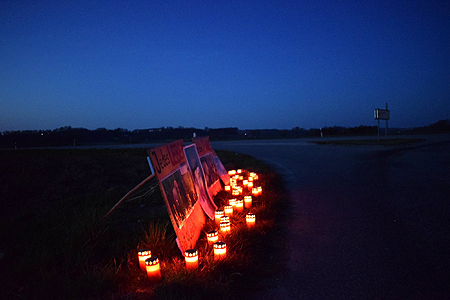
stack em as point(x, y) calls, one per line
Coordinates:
point(55, 244)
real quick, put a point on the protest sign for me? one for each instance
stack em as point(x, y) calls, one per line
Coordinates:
point(206, 154)
point(178, 190)
point(204, 197)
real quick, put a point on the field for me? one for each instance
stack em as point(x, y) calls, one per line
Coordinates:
point(372, 142)
point(55, 244)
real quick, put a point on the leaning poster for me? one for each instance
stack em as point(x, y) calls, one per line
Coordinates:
point(204, 197)
point(177, 187)
point(208, 161)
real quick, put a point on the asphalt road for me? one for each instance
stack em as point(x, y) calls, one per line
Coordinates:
point(364, 222)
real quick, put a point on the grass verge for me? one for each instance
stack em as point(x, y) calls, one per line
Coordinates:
point(54, 243)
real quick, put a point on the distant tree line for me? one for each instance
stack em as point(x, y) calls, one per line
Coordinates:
point(68, 136)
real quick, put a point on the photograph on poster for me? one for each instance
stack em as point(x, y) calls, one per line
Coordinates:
point(180, 193)
point(223, 173)
point(199, 181)
point(209, 168)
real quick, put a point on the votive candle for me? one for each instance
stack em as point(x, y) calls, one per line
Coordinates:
point(220, 250)
point(153, 269)
point(191, 259)
point(143, 254)
point(250, 219)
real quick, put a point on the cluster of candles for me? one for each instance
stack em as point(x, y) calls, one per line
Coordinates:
point(151, 264)
point(238, 177)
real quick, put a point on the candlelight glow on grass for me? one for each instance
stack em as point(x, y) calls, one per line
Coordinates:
point(116, 273)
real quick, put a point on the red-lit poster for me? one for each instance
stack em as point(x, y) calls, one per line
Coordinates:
point(204, 197)
point(208, 161)
point(177, 187)
point(223, 173)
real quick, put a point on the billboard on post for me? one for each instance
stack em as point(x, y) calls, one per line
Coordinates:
point(179, 193)
point(381, 114)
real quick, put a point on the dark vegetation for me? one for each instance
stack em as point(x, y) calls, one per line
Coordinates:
point(54, 243)
point(68, 136)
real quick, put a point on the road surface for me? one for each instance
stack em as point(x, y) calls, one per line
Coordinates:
point(365, 222)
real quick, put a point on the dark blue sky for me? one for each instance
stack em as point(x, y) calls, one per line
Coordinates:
point(246, 64)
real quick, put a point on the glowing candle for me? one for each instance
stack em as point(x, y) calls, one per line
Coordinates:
point(255, 191)
point(232, 202)
point(239, 171)
point(227, 188)
point(245, 182)
point(250, 179)
point(217, 215)
point(212, 236)
point(250, 185)
point(191, 259)
point(232, 172)
point(228, 210)
point(259, 190)
point(225, 227)
point(235, 192)
point(153, 268)
point(225, 219)
point(250, 219)
point(253, 175)
point(220, 250)
point(233, 182)
point(143, 254)
point(240, 205)
point(247, 201)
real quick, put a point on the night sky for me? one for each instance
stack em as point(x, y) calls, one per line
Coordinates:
point(247, 64)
